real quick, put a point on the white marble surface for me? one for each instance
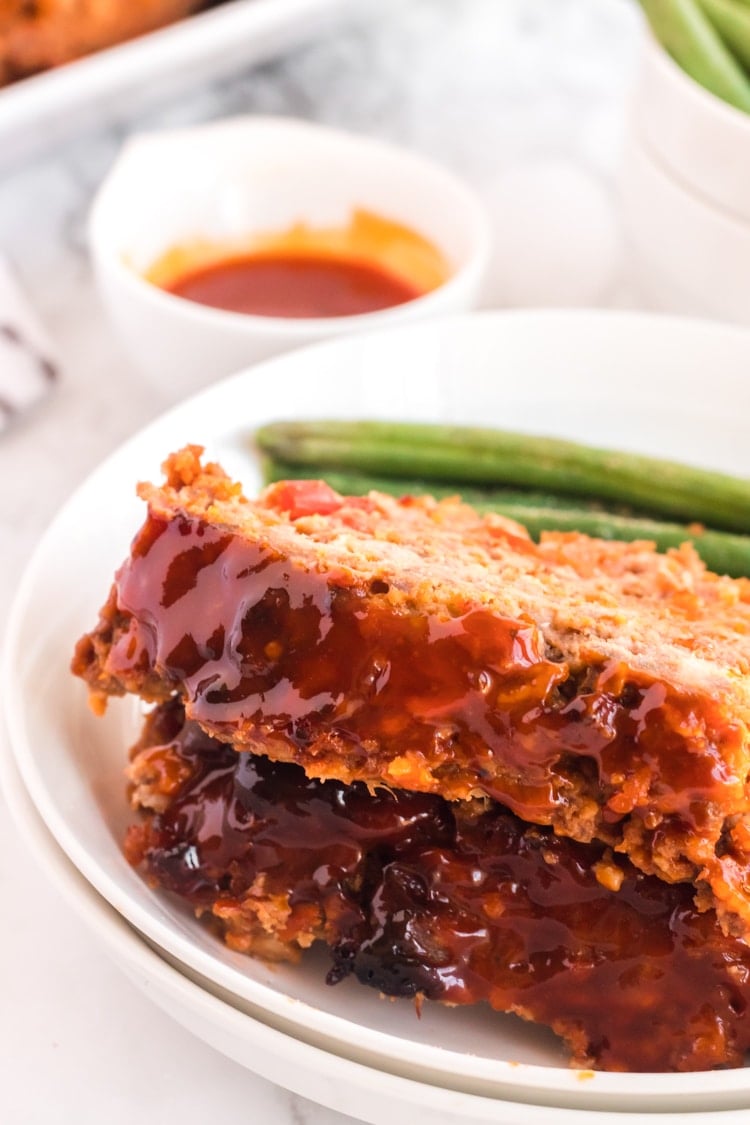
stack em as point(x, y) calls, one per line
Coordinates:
point(526, 98)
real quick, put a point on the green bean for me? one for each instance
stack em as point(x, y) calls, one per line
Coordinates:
point(732, 21)
point(683, 28)
point(459, 455)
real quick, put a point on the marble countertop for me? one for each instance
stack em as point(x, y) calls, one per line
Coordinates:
point(527, 99)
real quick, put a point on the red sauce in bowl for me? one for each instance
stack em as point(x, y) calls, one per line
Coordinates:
point(367, 264)
point(295, 286)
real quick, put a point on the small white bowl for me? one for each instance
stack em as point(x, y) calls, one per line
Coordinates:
point(689, 256)
point(232, 179)
point(703, 141)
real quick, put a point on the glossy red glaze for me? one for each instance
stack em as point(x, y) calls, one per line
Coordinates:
point(262, 649)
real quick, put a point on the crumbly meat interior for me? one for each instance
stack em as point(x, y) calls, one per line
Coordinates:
point(600, 688)
point(458, 903)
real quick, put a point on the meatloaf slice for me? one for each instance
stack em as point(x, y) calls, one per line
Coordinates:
point(458, 903)
point(600, 688)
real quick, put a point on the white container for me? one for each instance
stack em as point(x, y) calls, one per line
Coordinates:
point(235, 178)
point(688, 256)
point(684, 191)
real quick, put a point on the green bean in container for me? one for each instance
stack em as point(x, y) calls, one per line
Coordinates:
point(685, 31)
point(465, 455)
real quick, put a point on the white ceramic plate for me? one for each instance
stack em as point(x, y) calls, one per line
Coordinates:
point(42, 111)
point(364, 1093)
point(623, 380)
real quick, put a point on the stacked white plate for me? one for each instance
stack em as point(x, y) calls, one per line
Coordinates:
point(674, 388)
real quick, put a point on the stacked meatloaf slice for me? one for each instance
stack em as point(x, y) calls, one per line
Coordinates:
point(477, 767)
